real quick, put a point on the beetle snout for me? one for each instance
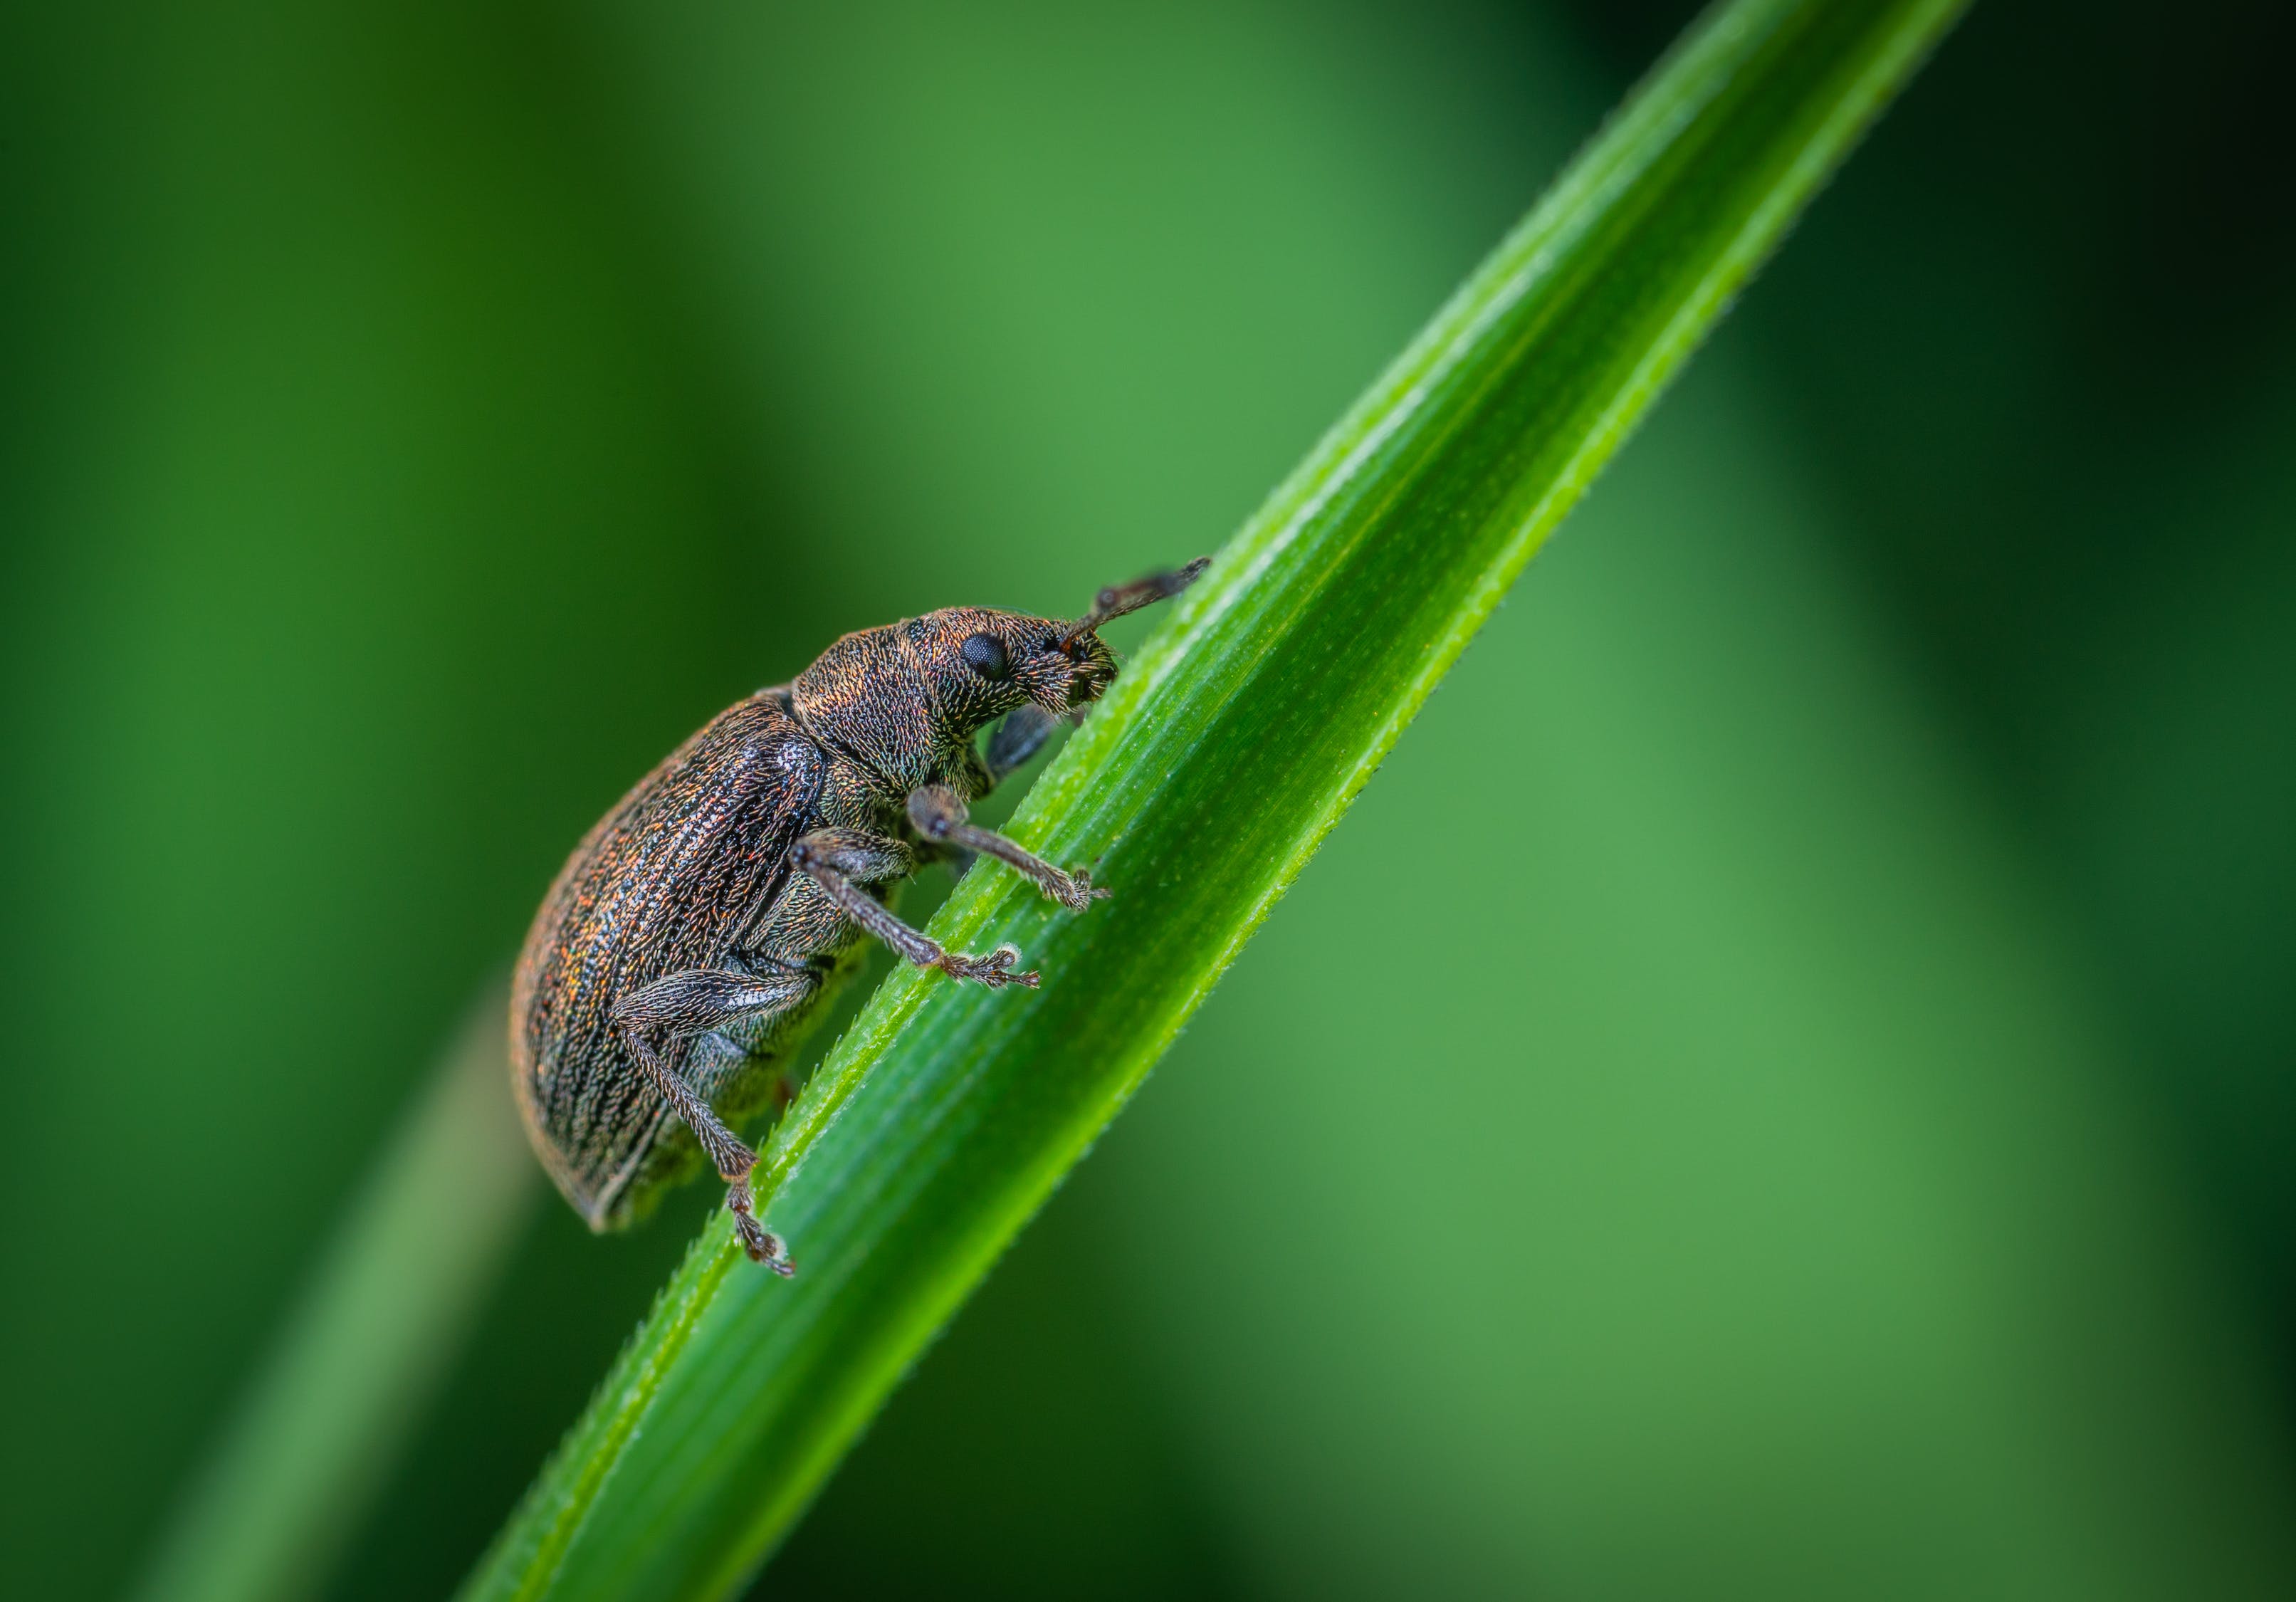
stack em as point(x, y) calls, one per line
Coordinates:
point(1062, 672)
point(1094, 672)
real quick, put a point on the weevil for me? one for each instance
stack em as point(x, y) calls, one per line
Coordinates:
point(700, 926)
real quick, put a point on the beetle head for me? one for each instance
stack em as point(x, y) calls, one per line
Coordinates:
point(983, 664)
point(908, 697)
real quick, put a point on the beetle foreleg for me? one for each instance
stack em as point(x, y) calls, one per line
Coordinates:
point(842, 860)
point(940, 815)
point(1020, 736)
point(694, 1002)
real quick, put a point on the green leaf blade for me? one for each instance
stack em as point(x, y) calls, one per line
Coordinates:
point(1218, 762)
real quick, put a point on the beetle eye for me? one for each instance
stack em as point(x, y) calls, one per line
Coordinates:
point(984, 654)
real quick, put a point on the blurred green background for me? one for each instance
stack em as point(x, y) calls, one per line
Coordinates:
point(1785, 1086)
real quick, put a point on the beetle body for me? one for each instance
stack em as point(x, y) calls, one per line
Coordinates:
point(695, 932)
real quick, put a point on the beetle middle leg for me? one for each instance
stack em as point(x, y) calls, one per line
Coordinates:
point(840, 861)
point(939, 815)
point(680, 1006)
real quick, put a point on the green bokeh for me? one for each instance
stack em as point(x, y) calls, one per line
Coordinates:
point(1781, 1088)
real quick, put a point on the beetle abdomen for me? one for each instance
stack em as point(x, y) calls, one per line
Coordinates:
point(665, 882)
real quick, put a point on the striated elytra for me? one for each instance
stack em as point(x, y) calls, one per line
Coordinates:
point(696, 931)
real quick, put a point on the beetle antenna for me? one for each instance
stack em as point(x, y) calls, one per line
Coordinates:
point(1118, 599)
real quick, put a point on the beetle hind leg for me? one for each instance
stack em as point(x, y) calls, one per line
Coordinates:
point(696, 1002)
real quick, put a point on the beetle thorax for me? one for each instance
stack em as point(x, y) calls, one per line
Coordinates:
point(867, 699)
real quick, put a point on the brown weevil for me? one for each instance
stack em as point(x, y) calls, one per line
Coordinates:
point(699, 927)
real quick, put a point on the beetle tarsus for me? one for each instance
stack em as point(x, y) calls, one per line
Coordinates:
point(1081, 892)
point(994, 970)
point(763, 1245)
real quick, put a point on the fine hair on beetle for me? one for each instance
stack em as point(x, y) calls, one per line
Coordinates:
point(674, 966)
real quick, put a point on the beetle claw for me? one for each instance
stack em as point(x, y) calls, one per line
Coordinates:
point(1075, 890)
point(763, 1245)
point(1004, 956)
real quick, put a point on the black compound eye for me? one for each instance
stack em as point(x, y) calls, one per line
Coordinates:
point(984, 654)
